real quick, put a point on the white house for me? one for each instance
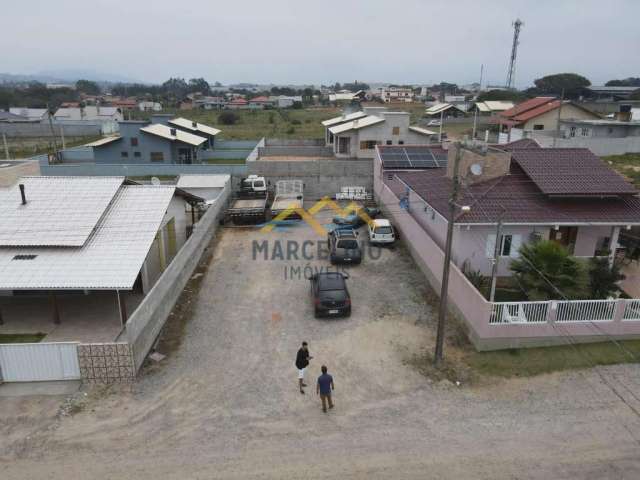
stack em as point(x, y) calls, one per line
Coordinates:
point(89, 113)
point(356, 135)
point(148, 106)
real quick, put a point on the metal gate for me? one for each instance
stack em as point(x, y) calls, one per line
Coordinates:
point(34, 362)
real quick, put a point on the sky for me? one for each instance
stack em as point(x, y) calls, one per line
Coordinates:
point(303, 42)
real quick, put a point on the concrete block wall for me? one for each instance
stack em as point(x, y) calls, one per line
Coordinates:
point(320, 177)
point(144, 326)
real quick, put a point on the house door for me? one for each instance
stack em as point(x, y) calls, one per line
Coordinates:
point(344, 144)
point(565, 236)
point(184, 155)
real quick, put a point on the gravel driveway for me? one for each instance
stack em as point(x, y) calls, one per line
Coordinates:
point(225, 403)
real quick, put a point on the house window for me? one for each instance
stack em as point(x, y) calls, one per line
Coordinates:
point(134, 141)
point(124, 154)
point(400, 142)
point(367, 145)
point(156, 156)
point(389, 142)
point(395, 131)
point(572, 132)
point(538, 127)
point(136, 154)
point(509, 245)
point(584, 132)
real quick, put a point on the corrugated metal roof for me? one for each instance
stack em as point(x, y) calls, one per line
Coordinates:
point(111, 258)
point(494, 106)
point(102, 141)
point(202, 181)
point(437, 108)
point(343, 118)
point(60, 211)
point(421, 130)
point(164, 131)
point(189, 125)
point(356, 124)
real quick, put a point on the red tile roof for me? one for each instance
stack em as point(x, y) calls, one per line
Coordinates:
point(570, 171)
point(526, 105)
point(519, 198)
point(536, 112)
point(260, 99)
point(238, 101)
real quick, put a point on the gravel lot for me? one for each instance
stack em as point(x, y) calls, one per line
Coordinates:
point(225, 404)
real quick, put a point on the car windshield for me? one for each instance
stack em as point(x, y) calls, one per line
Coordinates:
point(331, 282)
point(383, 230)
point(348, 244)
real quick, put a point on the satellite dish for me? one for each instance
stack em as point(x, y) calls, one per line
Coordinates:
point(476, 169)
point(155, 181)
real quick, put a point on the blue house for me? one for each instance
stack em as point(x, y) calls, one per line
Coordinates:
point(188, 126)
point(143, 142)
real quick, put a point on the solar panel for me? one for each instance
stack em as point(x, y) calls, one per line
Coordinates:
point(411, 157)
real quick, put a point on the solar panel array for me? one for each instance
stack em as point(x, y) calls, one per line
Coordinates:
point(402, 158)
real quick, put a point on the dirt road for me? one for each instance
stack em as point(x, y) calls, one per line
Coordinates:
point(225, 404)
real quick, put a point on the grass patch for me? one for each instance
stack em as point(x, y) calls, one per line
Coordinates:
point(627, 165)
point(21, 337)
point(526, 362)
point(225, 161)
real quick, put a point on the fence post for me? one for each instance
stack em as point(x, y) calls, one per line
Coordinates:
point(618, 313)
point(552, 311)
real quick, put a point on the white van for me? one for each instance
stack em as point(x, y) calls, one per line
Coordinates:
point(381, 232)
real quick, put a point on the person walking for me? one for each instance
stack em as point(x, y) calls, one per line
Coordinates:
point(324, 388)
point(302, 361)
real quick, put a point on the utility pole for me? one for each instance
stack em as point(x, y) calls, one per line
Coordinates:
point(64, 145)
point(441, 122)
point(53, 136)
point(555, 137)
point(6, 147)
point(496, 257)
point(475, 110)
point(442, 311)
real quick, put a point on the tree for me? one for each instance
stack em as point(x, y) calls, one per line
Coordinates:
point(199, 85)
point(573, 84)
point(546, 271)
point(176, 87)
point(603, 278)
point(509, 95)
point(228, 118)
point(88, 87)
point(627, 82)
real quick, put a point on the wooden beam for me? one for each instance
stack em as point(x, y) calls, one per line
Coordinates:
point(56, 310)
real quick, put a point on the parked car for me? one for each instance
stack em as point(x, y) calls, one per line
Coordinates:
point(330, 294)
point(434, 123)
point(381, 232)
point(344, 246)
point(355, 219)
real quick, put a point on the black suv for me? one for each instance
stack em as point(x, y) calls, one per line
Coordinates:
point(330, 294)
point(344, 246)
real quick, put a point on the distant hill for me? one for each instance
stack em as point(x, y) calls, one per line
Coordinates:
point(65, 76)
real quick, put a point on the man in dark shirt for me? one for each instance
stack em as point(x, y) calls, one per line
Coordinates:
point(324, 389)
point(302, 361)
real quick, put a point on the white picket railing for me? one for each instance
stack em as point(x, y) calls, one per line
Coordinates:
point(519, 312)
point(566, 311)
point(631, 310)
point(585, 311)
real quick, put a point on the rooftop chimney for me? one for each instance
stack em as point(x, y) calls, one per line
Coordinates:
point(22, 194)
point(173, 132)
point(492, 163)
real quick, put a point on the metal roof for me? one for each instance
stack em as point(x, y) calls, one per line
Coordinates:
point(164, 131)
point(60, 211)
point(494, 106)
point(438, 107)
point(193, 126)
point(203, 181)
point(421, 130)
point(111, 258)
point(356, 124)
point(103, 141)
point(343, 118)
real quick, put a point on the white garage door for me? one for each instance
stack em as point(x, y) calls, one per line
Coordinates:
point(34, 362)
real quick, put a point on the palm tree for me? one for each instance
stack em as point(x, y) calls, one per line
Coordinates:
point(546, 271)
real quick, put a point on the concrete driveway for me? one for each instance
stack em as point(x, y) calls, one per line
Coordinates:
point(225, 403)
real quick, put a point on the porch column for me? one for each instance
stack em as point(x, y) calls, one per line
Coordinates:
point(122, 308)
point(1, 319)
point(613, 244)
point(54, 306)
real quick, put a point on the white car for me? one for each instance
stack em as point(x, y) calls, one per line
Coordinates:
point(433, 123)
point(381, 232)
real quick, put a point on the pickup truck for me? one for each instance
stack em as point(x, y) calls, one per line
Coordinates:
point(288, 195)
